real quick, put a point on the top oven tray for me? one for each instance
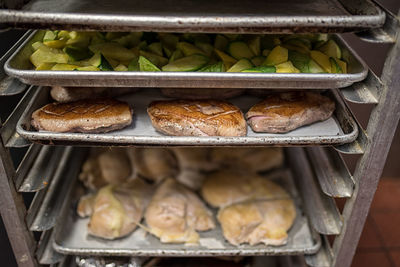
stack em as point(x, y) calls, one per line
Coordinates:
point(19, 66)
point(228, 16)
point(340, 128)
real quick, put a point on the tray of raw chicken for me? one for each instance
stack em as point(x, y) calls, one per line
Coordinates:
point(186, 117)
point(184, 202)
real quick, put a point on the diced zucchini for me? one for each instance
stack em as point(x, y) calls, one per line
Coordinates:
point(221, 42)
point(278, 55)
point(55, 43)
point(155, 59)
point(267, 42)
point(45, 66)
point(266, 52)
point(77, 53)
point(168, 40)
point(167, 51)
point(113, 50)
point(98, 38)
point(262, 69)
point(255, 45)
point(99, 61)
point(242, 64)
point(299, 49)
point(239, 50)
point(88, 68)
point(37, 45)
point(232, 36)
point(277, 41)
point(177, 54)
point(189, 49)
point(114, 35)
point(300, 42)
point(318, 44)
point(121, 67)
point(146, 65)
point(48, 55)
point(189, 63)
point(321, 59)
point(134, 65)
point(257, 60)
point(342, 64)
point(63, 66)
point(49, 36)
point(228, 60)
point(205, 47)
point(313, 67)
point(196, 37)
point(217, 67)
point(331, 49)
point(130, 40)
point(299, 60)
point(63, 35)
point(81, 39)
point(286, 67)
point(156, 48)
point(335, 68)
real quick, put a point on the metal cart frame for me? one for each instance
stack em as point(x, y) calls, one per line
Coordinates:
point(373, 144)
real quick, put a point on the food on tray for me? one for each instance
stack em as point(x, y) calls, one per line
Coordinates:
point(106, 166)
point(138, 51)
point(248, 159)
point(226, 187)
point(154, 164)
point(193, 163)
point(197, 118)
point(86, 116)
point(116, 209)
point(284, 112)
point(175, 214)
point(257, 221)
point(69, 94)
point(201, 93)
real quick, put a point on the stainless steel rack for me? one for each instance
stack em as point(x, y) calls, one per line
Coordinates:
point(321, 174)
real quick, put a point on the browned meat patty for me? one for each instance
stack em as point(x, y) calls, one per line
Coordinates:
point(284, 112)
point(69, 94)
point(197, 118)
point(201, 93)
point(86, 116)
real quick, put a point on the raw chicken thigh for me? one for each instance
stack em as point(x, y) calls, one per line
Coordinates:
point(175, 214)
point(258, 221)
point(116, 209)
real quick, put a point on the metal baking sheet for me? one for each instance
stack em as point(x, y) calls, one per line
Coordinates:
point(19, 66)
point(71, 236)
point(234, 16)
point(338, 129)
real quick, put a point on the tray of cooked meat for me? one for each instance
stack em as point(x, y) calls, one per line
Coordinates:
point(188, 60)
point(149, 117)
point(184, 202)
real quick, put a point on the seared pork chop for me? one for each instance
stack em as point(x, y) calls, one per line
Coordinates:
point(197, 118)
point(201, 93)
point(86, 116)
point(284, 112)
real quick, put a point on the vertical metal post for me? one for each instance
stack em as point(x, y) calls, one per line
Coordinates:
point(381, 128)
point(13, 211)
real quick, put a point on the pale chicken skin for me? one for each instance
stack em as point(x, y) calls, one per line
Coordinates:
point(248, 158)
point(111, 166)
point(116, 210)
point(258, 221)
point(175, 214)
point(197, 118)
point(284, 112)
point(194, 163)
point(154, 164)
point(227, 187)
